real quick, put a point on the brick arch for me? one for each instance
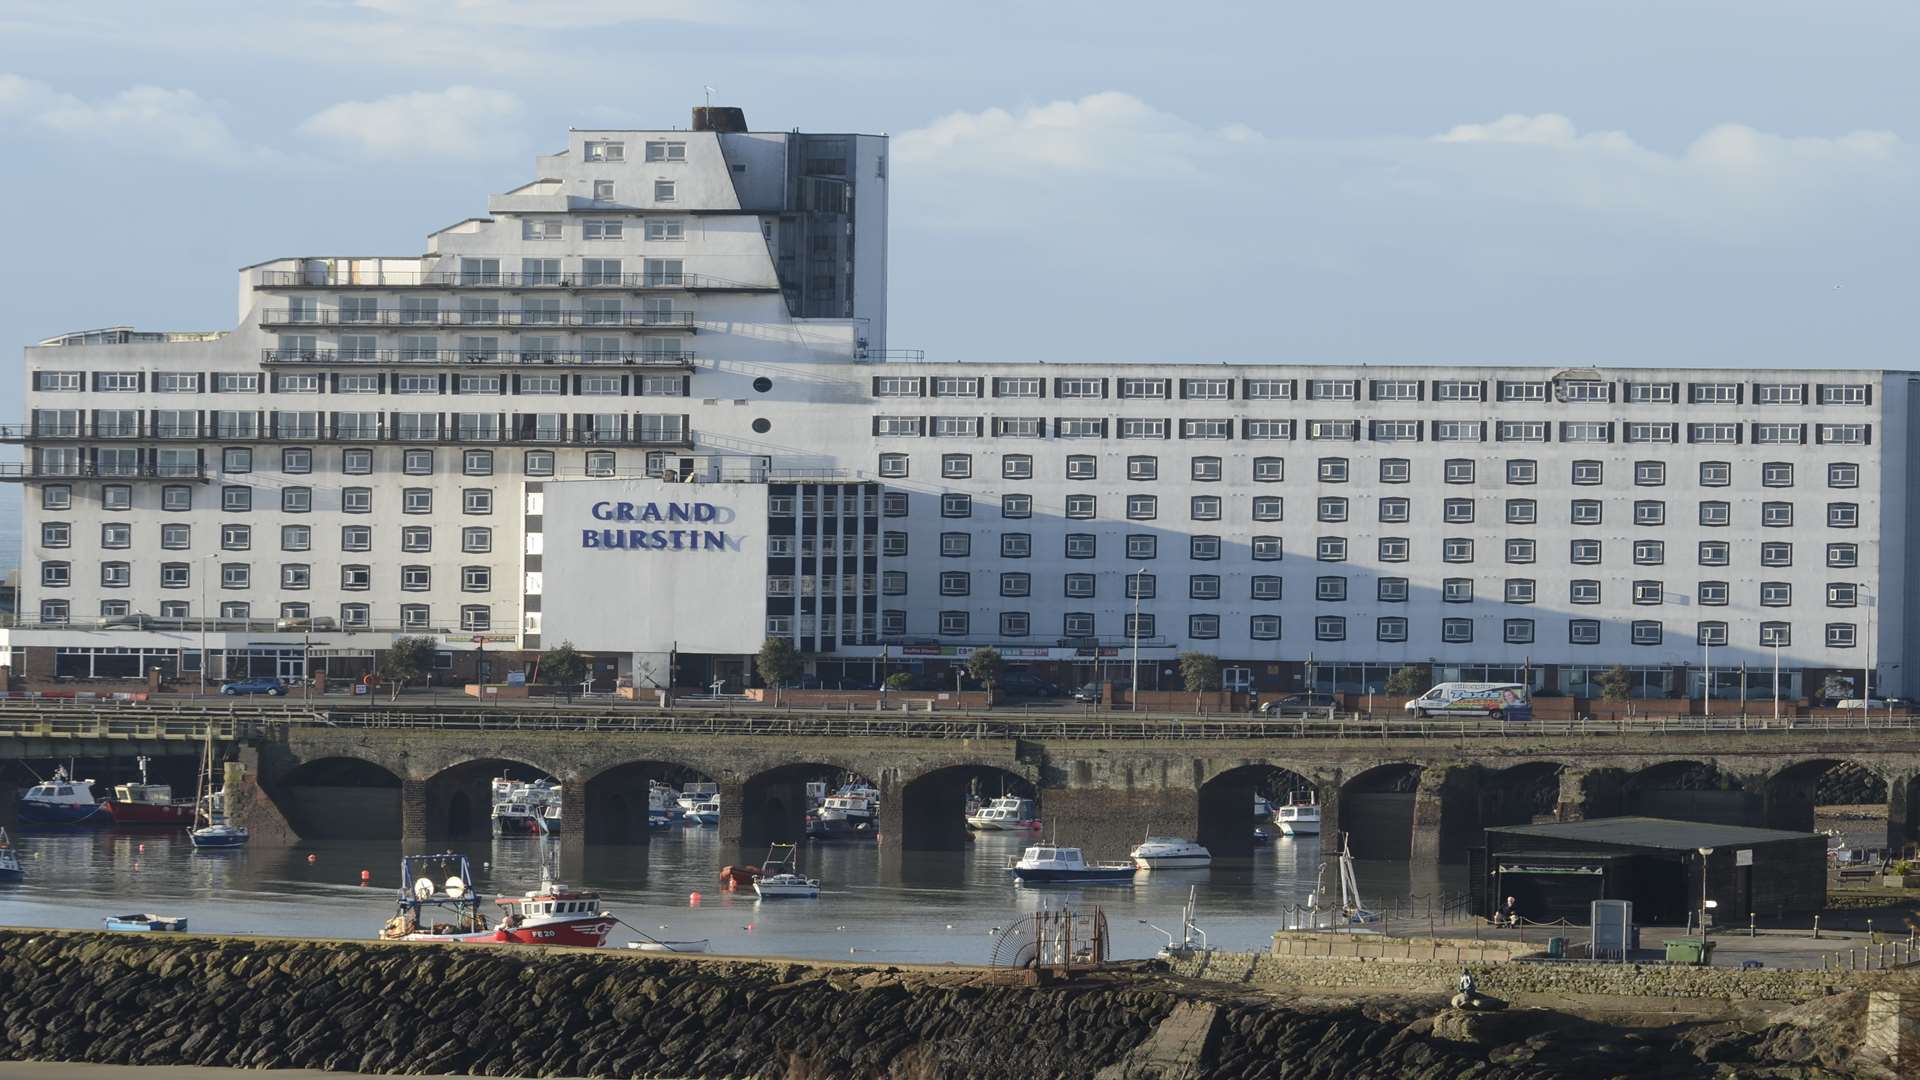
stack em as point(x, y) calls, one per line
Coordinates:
point(925, 810)
point(768, 804)
point(1791, 790)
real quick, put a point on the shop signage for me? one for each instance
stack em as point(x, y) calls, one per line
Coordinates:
point(660, 539)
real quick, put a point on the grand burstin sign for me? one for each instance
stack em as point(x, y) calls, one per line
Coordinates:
point(660, 539)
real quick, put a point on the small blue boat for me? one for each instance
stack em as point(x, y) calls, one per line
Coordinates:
point(1048, 865)
point(62, 801)
point(147, 923)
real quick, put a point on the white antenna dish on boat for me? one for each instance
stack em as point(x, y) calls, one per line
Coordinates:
point(423, 888)
point(455, 887)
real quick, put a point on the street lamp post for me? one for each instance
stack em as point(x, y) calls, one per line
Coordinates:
point(1706, 671)
point(1866, 669)
point(1704, 852)
point(1133, 694)
point(205, 572)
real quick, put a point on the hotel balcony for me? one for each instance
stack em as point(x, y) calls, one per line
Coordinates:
point(588, 320)
point(320, 278)
point(672, 361)
point(36, 472)
point(671, 436)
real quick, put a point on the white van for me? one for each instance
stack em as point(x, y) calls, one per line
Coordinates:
point(1500, 701)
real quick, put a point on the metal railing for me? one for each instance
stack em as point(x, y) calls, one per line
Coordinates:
point(27, 470)
point(889, 356)
point(643, 358)
point(612, 320)
point(128, 725)
point(678, 438)
point(454, 279)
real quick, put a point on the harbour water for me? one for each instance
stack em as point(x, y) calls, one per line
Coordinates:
point(906, 907)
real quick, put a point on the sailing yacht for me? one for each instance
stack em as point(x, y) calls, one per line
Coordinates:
point(211, 807)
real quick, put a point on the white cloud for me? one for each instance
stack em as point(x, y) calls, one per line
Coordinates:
point(178, 123)
point(555, 14)
point(1105, 131)
point(462, 121)
point(1544, 129)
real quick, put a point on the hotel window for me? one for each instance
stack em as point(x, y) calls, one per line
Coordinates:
point(1138, 626)
point(1264, 627)
point(956, 466)
point(1016, 387)
point(1779, 394)
point(1650, 433)
point(417, 463)
point(1520, 551)
point(1458, 471)
point(1016, 467)
point(893, 544)
point(1843, 474)
point(1776, 553)
point(1333, 390)
point(236, 537)
point(1457, 511)
point(1206, 389)
point(1079, 586)
point(1141, 428)
point(1203, 586)
point(893, 465)
point(56, 497)
point(1143, 388)
point(897, 387)
point(1394, 548)
point(1141, 546)
point(1077, 624)
point(1776, 594)
point(417, 501)
point(1587, 472)
point(663, 191)
point(1203, 547)
point(116, 534)
point(1713, 433)
point(897, 425)
point(1712, 594)
point(116, 575)
point(1456, 549)
point(356, 616)
point(1710, 633)
point(1776, 474)
point(1331, 508)
point(1843, 433)
point(235, 499)
point(49, 381)
point(1393, 510)
point(1841, 635)
point(1395, 470)
point(296, 538)
point(1268, 470)
point(477, 500)
point(1082, 467)
point(955, 545)
point(1016, 545)
point(956, 386)
point(892, 583)
point(1779, 434)
point(1647, 632)
point(1843, 555)
point(1205, 468)
point(1204, 508)
point(1583, 632)
point(538, 463)
point(1015, 623)
point(1522, 511)
point(1521, 431)
point(1458, 391)
point(1020, 427)
point(1326, 549)
point(1717, 552)
point(1650, 393)
point(1267, 389)
point(1387, 590)
point(1713, 393)
point(1330, 628)
point(1843, 594)
point(954, 583)
point(55, 575)
point(415, 579)
point(964, 427)
point(1459, 431)
point(1340, 430)
point(956, 505)
point(1267, 548)
point(415, 616)
point(296, 500)
point(1267, 587)
point(1206, 429)
point(1142, 507)
point(1519, 631)
point(1081, 507)
point(1584, 552)
point(1079, 388)
point(1843, 515)
point(1649, 552)
point(1715, 474)
point(1142, 586)
point(1522, 391)
point(1396, 431)
point(1015, 505)
point(1456, 631)
point(1330, 589)
point(1845, 394)
point(1586, 432)
point(1777, 635)
point(1716, 514)
point(58, 534)
point(1080, 546)
point(1583, 591)
point(1390, 628)
point(1396, 390)
point(295, 575)
point(116, 497)
point(1776, 515)
point(1140, 467)
point(1649, 512)
point(1266, 429)
point(1333, 470)
point(1522, 471)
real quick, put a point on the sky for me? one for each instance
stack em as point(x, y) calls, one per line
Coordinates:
point(1613, 182)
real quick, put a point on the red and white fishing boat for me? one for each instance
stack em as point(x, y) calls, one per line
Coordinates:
point(148, 805)
point(553, 914)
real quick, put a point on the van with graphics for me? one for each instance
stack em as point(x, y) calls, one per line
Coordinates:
point(1499, 701)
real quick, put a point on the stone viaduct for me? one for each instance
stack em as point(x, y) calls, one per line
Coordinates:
point(1398, 798)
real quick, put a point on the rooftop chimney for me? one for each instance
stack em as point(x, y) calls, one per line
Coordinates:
point(723, 118)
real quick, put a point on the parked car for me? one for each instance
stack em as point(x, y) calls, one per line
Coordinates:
point(1297, 704)
point(1866, 703)
point(1027, 684)
point(1090, 693)
point(268, 685)
point(1498, 701)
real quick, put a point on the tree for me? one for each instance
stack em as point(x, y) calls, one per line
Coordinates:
point(407, 659)
point(779, 664)
point(899, 680)
point(563, 666)
point(1617, 685)
point(1407, 682)
point(1200, 672)
point(985, 666)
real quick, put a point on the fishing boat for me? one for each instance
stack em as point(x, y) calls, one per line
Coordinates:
point(663, 804)
point(843, 816)
point(704, 813)
point(653, 945)
point(1170, 853)
point(1008, 813)
point(696, 793)
point(780, 876)
point(148, 805)
point(9, 860)
point(447, 909)
point(210, 807)
point(1352, 914)
point(1050, 865)
point(147, 923)
point(525, 807)
point(1298, 818)
point(61, 800)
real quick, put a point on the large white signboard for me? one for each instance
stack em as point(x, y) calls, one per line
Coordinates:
point(646, 566)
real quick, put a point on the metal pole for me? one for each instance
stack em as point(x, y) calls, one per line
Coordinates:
point(1706, 673)
point(205, 572)
point(1776, 684)
point(1866, 676)
point(1133, 694)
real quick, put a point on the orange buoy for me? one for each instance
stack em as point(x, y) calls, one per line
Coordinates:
point(313, 858)
point(142, 847)
point(366, 875)
point(693, 899)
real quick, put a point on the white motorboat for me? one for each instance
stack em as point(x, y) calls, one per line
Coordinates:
point(780, 876)
point(1170, 853)
point(1298, 818)
point(703, 813)
point(651, 945)
point(1045, 864)
point(696, 793)
point(1008, 813)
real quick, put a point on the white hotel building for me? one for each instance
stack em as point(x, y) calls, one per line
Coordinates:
point(438, 444)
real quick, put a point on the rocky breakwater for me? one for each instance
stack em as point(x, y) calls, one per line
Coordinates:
point(483, 1010)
